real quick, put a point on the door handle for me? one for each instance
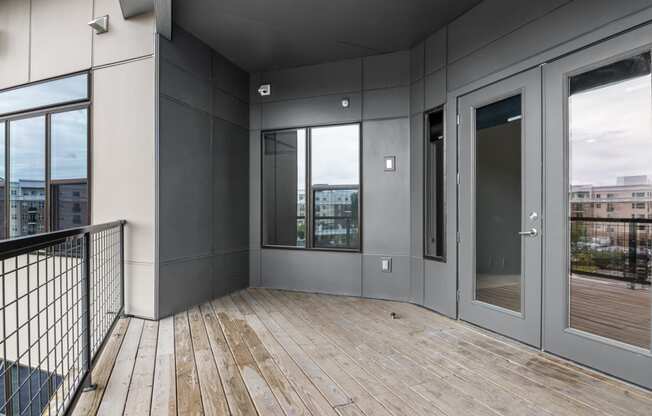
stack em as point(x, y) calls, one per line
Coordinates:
point(531, 233)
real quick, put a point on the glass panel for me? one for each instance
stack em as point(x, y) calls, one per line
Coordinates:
point(69, 170)
point(435, 185)
point(27, 176)
point(498, 204)
point(610, 201)
point(43, 94)
point(336, 218)
point(284, 188)
point(335, 173)
point(2, 181)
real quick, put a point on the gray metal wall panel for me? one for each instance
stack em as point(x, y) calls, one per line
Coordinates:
point(417, 97)
point(311, 111)
point(416, 280)
point(386, 195)
point(386, 103)
point(184, 181)
point(435, 53)
point(187, 52)
point(562, 25)
point(311, 81)
point(435, 86)
point(491, 20)
point(254, 267)
point(386, 71)
point(416, 184)
point(255, 116)
point(184, 86)
point(417, 61)
point(230, 108)
point(377, 284)
point(229, 78)
point(183, 284)
point(311, 271)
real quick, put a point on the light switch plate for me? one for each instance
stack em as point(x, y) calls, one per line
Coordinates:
point(390, 163)
point(386, 264)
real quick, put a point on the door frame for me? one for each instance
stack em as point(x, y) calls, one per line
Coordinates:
point(616, 358)
point(524, 326)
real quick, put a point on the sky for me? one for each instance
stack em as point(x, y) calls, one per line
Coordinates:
point(611, 132)
point(335, 155)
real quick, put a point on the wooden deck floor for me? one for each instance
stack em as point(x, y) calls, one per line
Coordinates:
point(282, 353)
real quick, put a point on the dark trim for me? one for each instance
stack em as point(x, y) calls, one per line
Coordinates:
point(21, 245)
point(309, 217)
point(424, 140)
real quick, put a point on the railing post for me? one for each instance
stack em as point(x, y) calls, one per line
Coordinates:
point(122, 267)
point(86, 314)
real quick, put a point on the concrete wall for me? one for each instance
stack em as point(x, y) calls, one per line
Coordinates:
point(40, 39)
point(203, 182)
point(378, 89)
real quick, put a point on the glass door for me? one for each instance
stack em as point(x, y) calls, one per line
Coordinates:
point(598, 247)
point(500, 207)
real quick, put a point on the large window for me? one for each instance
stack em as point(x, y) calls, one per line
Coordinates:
point(311, 188)
point(44, 157)
point(434, 246)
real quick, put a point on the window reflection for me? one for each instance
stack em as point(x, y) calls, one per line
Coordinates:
point(69, 170)
point(3, 141)
point(610, 195)
point(27, 176)
point(58, 91)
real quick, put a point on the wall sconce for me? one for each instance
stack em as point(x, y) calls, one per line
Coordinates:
point(100, 24)
point(390, 163)
point(346, 102)
point(386, 264)
point(265, 90)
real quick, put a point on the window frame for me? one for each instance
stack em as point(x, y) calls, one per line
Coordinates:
point(47, 112)
point(309, 220)
point(425, 214)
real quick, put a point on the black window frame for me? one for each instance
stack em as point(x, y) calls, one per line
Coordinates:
point(47, 112)
point(426, 186)
point(309, 193)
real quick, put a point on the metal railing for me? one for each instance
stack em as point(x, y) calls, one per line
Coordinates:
point(61, 294)
point(613, 248)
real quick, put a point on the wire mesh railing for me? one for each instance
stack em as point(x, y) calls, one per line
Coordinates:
point(61, 293)
point(613, 248)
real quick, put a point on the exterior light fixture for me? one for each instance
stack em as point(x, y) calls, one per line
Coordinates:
point(265, 90)
point(100, 24)
point(346, 102)
point(386, 264)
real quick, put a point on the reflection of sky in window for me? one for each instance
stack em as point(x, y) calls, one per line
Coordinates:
point(44, 94)
point(27, 149)
point(301, 160)
point(335, 155)
point(69, 142)
point(611, 132)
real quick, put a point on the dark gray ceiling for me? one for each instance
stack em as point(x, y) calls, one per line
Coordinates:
point(261, 35)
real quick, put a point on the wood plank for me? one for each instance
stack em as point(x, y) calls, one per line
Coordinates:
point(164, 394)
point(237, 396)
point(139, 397)
point(213, 397)
point(89, 402)
point(189, 400)
point(261, 394)
point(115, 396)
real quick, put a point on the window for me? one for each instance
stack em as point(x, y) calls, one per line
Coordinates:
point(47, 164)
point(311, 188)
point(434, 246)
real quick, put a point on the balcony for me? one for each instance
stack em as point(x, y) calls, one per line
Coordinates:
point(273, 352)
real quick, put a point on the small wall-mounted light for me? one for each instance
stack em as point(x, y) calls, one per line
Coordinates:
point(390, 163)
point(265, 90)
point(386, 264)
point(100, 24)
point(346, 103)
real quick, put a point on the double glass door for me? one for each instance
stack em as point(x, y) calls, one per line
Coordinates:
point(555, 207)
